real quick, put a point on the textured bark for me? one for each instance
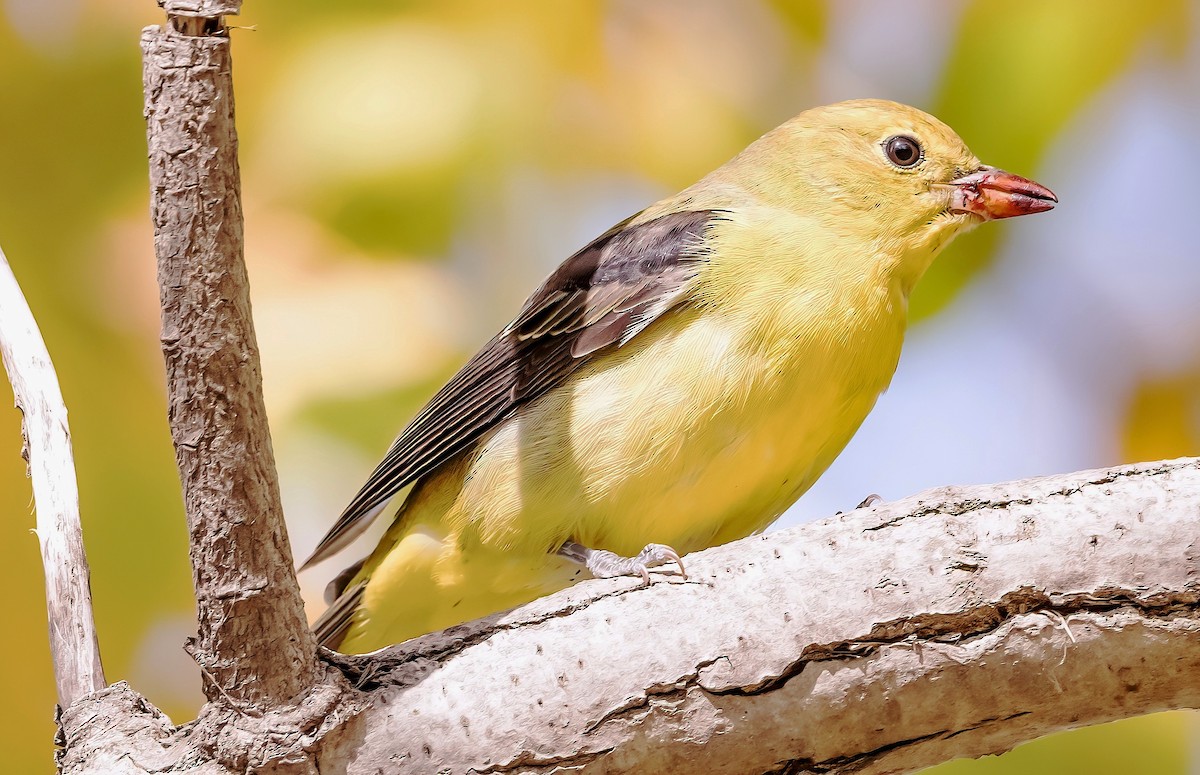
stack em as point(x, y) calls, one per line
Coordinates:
point(254, 645)
point(210, 9)
point(955, 623)
point(47, 450)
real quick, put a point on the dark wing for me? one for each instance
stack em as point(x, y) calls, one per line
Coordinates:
point(333, 625)
point(602, 296)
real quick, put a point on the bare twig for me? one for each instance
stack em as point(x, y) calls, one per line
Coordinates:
point(47, 449)
point(253, 636)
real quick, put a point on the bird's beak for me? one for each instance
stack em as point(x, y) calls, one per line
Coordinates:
point(991, 193)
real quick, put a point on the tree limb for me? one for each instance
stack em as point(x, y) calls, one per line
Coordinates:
point(47, 449)
point(958, 622)
point(254, 646)
point(883, 640)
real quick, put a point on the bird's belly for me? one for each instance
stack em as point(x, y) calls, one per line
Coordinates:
point(731, 474)
point(643, 451)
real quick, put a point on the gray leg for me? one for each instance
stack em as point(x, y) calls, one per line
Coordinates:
point(605, 564)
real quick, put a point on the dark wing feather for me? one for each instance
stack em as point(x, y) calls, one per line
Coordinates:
point(332, 626)
point(603, 295)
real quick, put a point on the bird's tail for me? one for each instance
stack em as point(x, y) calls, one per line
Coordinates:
point(332, 626)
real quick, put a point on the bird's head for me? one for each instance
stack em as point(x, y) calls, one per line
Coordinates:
point(887, 172)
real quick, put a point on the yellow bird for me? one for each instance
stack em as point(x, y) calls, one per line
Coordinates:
point(677, 383)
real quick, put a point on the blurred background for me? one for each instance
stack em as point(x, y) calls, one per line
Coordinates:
point(412, 170)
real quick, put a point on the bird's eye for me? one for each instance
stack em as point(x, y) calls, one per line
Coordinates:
point(903, 151)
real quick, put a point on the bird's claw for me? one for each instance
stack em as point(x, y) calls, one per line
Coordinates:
point(605, 564)
point(657, 554)
point(870, 500)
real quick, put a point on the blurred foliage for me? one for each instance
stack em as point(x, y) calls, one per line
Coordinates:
point(1015, 61)
point(1147, 744)
point(1163, 418)
point(410, 171)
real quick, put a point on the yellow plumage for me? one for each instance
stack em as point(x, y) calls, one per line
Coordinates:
point(709, 423)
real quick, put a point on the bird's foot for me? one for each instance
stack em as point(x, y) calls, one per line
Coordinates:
point(867, 502)
point(605, 564)
point(870, 501)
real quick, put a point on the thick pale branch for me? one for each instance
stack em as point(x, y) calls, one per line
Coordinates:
point(954, 623)
point(47, 448)
point(254, 644)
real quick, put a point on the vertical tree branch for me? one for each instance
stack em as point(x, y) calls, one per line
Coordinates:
point(47, 449)
point(254, 644)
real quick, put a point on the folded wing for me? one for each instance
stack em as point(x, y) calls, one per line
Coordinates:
point(601, 297)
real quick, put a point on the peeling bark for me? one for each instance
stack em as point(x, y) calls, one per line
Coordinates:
point(954, 623)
